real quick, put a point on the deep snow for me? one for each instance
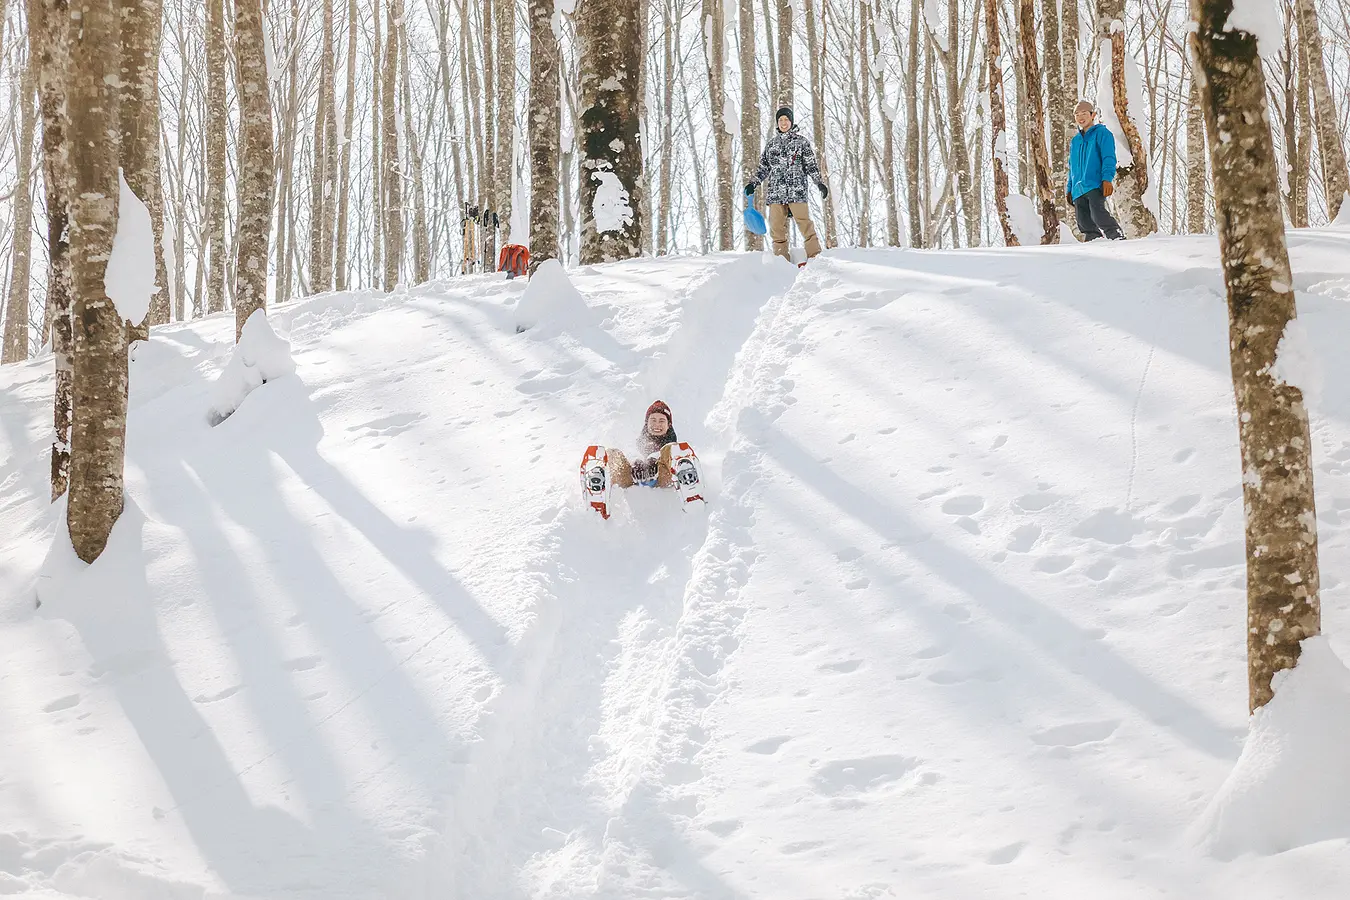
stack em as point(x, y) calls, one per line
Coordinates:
point(964, 617)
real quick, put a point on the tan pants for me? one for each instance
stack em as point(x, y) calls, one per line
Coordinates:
point(621, 471)
point(778, 228)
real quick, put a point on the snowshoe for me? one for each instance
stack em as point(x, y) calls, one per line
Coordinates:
point(595, 479)
point(685, 474)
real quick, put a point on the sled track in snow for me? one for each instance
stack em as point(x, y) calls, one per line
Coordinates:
point(599, 706)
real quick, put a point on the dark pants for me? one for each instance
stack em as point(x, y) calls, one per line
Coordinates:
point(1094, 219)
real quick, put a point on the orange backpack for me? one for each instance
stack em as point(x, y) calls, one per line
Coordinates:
point(514, 260)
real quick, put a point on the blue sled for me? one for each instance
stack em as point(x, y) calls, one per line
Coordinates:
point(754, 222)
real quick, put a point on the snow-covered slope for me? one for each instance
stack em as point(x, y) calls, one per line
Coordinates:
point(964, 618)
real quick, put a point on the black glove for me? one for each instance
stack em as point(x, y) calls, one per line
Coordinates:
point(824, 190)
point(750, 188)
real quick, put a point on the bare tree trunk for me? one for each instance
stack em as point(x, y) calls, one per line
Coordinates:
point(913, 193)
point(216, 114)
point(469, 89)
point(1059, 103)
point(816, 65)
point(49, 28)
point(960, 156)
point(506, 108)
point(257, 175)
point(1073, 92)
point(545, 133)
point(421, 236)
point(1283, 606)
point(611, 163)
point(16, 308)
point(320, 238)
point(715, 30)
point(289, 135)
point(865, 133)
point(1303, 137)
point(771, 56)
point(99, 426)
point(998, 120)
point(1031, 66)
point(1132, 181)
point(344, 175)
point(750, 117)
point(488, 171)
point(887, 142)
point(668, 31)
point(393, 171)
point(1335, 181)
point(142, 25)
point(1195, 157)
point(786, 82)
point(377, 163)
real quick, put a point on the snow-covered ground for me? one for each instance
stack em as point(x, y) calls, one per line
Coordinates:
point(965, 617)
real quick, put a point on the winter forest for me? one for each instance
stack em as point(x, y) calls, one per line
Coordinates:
point(999, 560)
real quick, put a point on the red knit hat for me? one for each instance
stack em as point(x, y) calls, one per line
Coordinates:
point(660, 407)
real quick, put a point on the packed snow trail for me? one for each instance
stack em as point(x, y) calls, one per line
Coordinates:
point(964, 616)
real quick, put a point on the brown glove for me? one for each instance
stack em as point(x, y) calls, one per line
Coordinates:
point(1107, 189)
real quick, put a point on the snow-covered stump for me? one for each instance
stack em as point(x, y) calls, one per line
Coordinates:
point(260, 356)
point(1290, 786)
point(550, 302)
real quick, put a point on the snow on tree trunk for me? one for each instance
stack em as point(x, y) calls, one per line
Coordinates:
point(392, 176)
point(502, 178)
point(960, 155)
point(1335, 182)
point(545, 117)
point(1282, 574)
point(1036, 121)
point(142, 25)
point(611, 164)
point(750, 115)
point(16, 307)
point(998, 121)
point(98, 443)
point(715, 42)
point(49, 28)
point(216, 114)
point(256, 166)
point(1133, 195)
point(1195, 157)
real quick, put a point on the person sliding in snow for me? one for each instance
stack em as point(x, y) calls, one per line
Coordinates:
point(657, 436)
point(1092, 167)
point(784, 166)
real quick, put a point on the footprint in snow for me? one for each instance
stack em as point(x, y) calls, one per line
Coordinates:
point(63, 703)
point(388, 426)
point(768, 746)
point(1024, 538)
point(965, 505)
point(1053, 565)
point(857, 584)
point(844, 667)
point(1004, 855)
point(857, 776)
point(1034, 502)
point(999, 442)
point(1182, 456)
point(1076, 734)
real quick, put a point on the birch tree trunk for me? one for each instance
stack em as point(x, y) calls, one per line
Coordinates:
point(98, 445)
point(506, 109)
point(1132, 181)
point(320, 235)
point(1195, 156)
point(488, 171)
point(49, 28)
point(216, 114)
point(887, 139)
point(1303, 137)
point(668, 32)
point(998, 120)
point(715, 31)
point(257, 175)
point(1283, 605)
point(421, 237)
point(16, 307)
point(545, 133)
point(1036, 116)
point(1335, 181)
point(393, 171)
point(377, 178)
point(611, 164)
point(750, 116)
point(864, 136)
point(913, 189)
point(344, 174)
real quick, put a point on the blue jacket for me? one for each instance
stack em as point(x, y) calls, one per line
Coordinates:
point(1092, 159)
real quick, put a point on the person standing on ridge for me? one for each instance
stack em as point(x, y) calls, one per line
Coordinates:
point(785, 165)
point(1092, 168)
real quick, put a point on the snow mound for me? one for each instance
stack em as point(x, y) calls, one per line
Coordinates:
point(260, 356)
point(1026, 219)
point(1290, 786)
point(1342, 219)
point(551, 303)
point(1296, 362)
point(1261, 19)
point(129, 277)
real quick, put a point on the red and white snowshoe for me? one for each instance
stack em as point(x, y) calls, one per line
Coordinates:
point(595, 479)
point(686, 477)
